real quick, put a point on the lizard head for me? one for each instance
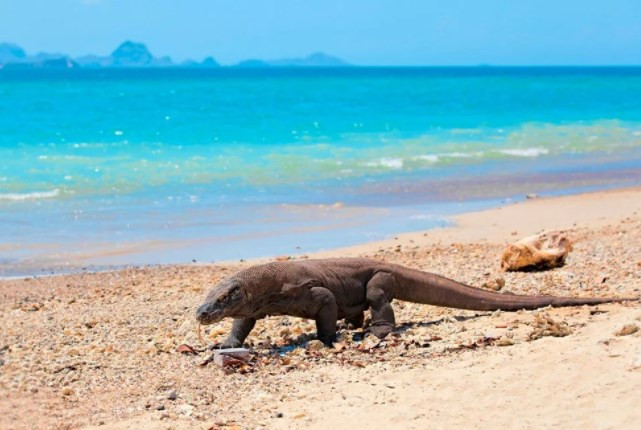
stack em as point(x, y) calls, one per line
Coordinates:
point(226, 299)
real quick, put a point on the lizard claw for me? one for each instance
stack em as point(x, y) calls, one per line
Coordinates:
point(233, 343)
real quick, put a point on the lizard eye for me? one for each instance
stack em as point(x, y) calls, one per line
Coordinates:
point(235, 292)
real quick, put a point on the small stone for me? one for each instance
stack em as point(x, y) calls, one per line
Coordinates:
point(67, 391)
point(627, 329)
point(186, 409)
point(505, 341)
point(286, 332)
point(160, 407)
point(636, 363)
point(315, 345)
point(494, 284)
point(172, 395)
point(278, 415)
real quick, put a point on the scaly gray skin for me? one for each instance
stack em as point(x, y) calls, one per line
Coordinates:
point(331, 289)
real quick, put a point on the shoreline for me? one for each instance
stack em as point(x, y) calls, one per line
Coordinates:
point(51, 236)
point(593, 209)
point(464, 227)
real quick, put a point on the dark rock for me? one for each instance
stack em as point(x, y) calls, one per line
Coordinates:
point(209, 62)
point(131, 54)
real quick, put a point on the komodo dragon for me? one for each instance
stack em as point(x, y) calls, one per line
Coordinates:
point(331, 289)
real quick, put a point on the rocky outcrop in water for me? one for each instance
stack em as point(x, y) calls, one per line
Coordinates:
point(131, 54)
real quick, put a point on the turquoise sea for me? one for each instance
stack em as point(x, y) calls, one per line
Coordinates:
point(111, 167)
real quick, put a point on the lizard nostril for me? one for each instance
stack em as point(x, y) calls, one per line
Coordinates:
point(201, 313)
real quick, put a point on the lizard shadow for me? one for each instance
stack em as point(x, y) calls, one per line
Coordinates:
point(357, 336)
point(403, 327)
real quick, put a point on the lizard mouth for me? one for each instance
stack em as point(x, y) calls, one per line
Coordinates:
point(206, 315)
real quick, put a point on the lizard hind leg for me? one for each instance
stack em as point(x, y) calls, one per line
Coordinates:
point(378, 295)
point(355, 321)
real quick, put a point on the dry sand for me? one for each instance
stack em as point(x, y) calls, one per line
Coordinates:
point(99, 350)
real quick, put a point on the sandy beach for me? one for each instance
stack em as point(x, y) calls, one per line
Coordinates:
point(99, 350)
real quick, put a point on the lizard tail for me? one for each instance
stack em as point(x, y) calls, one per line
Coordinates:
point(427, 288)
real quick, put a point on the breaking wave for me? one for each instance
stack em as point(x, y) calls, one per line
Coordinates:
point(526, 152)
point(35, 195)
point(96, 169)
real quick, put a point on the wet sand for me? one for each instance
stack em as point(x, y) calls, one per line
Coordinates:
point(99, 350)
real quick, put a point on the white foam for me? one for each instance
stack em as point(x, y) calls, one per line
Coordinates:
point(391, 163)
point(35, 195)
point(463, 154)
point(430, 158)
point(525, 152)
point(435, 158)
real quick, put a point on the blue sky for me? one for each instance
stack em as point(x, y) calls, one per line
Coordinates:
point(377, 32)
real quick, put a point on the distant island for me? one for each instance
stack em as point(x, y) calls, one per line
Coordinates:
point(136, 55)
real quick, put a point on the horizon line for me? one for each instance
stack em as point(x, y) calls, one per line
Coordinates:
point(347, 66)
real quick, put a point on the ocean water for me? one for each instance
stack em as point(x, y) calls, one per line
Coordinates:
point(104, 167)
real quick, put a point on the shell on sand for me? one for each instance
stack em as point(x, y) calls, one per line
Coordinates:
point(539, 252)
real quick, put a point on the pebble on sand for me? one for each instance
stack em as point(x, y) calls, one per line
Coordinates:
point(494, 284)
point(636, 363)
point(627, 330)
point(505, 341)
point(315, 345)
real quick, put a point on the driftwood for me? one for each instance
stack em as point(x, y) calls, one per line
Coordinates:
point(539, 252)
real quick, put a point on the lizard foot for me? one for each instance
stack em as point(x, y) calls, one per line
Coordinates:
point(328, 340)
point(229, 343)
point(380, 331)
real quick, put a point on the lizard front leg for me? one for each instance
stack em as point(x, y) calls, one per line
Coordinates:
point(239, 331)
point(326, 315)
point(376, 294)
